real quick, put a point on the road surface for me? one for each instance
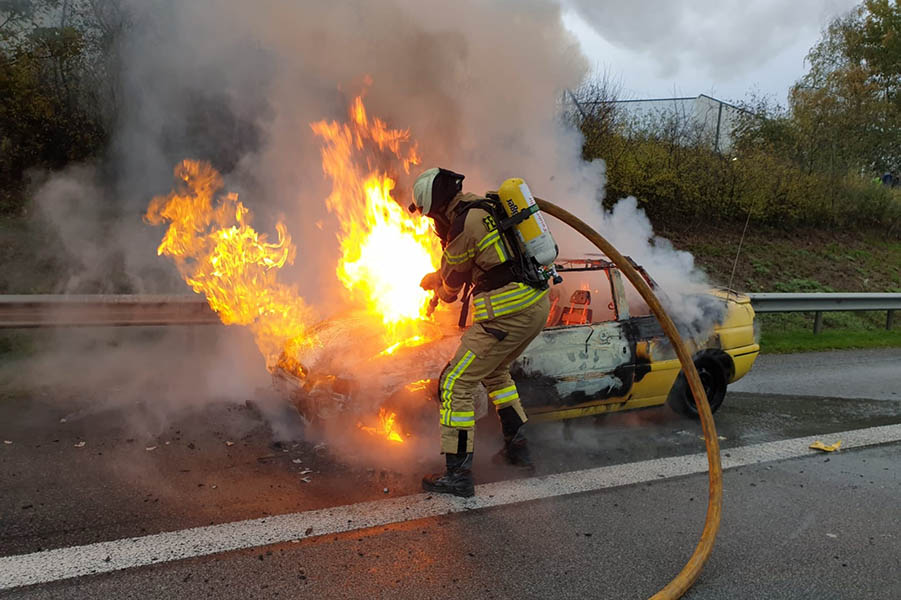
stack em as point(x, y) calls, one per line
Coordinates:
point(202, 503)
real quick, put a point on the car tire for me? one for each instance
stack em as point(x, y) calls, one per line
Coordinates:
point(713, 378)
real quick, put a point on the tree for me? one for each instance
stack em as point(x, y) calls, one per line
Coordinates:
point(58, 85)
point(847, 108)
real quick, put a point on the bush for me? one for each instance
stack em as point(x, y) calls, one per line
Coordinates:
point(678, 178)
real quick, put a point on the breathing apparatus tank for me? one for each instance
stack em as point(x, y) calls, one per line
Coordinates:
point(532, 232)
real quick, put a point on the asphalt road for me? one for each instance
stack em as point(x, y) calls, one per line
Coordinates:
point(810, 526)
point(857, 374)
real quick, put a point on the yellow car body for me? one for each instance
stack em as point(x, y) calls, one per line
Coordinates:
point(601, 351)
point(732, 348)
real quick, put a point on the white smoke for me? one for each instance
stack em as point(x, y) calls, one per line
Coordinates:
point(238, 83)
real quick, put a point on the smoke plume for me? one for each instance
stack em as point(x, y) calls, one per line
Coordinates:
point(238, 83)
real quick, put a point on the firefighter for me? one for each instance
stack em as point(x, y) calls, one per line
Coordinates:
point(508, 314)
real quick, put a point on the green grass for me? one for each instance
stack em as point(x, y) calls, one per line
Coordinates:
point(15, 343)
point(783, 342)
point(793, 332)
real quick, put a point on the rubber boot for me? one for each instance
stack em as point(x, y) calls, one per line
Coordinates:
point(457, 480)
point(516, 448)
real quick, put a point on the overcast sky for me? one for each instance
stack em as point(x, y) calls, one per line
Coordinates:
point(723, 48)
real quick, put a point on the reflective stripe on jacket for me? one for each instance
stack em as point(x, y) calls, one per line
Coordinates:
point(474, 247)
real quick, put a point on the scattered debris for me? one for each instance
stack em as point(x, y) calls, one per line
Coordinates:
point(229, 443)
point(320, 449)
point(80, 444)
point(305, 471)
point(214, 486)
point(720, 437)
point(832, 535)
point(306, 479)
point(818, 445)
point(167, 443)
point(63, 420)
point(7, 442)
point(385, 490)
point(297, 461)
point(308, 531)
point(149, 448)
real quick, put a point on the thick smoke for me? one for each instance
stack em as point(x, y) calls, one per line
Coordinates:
point(238, 83)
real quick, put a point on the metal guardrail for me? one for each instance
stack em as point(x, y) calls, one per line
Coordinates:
point(818, 303)
point(148, 310)
point(97, 310)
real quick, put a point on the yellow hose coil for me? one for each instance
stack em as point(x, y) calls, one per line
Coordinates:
point(689, 573)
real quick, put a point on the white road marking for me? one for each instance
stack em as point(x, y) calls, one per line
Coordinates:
point(103, 557)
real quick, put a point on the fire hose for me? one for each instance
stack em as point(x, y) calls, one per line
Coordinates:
point(692, 569)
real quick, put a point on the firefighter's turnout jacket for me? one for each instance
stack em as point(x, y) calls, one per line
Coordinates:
point(507, 316)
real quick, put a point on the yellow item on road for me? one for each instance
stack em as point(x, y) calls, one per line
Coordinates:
point(818, 445)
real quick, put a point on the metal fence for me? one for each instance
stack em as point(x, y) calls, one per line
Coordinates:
point(146, 310)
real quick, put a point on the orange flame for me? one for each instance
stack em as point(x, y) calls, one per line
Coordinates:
point(386, 427)
point(385, 251)
point(221, 256)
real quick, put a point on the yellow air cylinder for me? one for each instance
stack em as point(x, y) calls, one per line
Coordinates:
point(533, 233)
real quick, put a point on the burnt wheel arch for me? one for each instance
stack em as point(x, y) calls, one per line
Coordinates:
point(715, 368)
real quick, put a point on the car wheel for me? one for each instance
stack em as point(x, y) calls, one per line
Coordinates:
point(713, 378)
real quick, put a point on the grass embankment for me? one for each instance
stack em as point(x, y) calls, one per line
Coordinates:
point(806, 261)
point(799, 340)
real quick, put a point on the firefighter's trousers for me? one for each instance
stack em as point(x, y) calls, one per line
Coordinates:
point(486, 351)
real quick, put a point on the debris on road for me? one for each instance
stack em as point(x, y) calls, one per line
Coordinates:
point(229, 443)
point(818, 445)
point(306, 479)
point(63, 420)
point(149, 448)
point(7, 442)
point(306, 471)
point(296, 461)
point(80, 444)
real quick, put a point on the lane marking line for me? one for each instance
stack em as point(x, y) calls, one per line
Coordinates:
point(103, 557)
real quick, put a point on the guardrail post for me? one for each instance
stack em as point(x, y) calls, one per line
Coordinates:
point(889, 319)
point(817, 322)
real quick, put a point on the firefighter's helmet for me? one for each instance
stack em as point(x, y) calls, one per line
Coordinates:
point(434, 189)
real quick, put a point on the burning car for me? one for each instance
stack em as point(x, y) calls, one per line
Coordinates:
point(601, 351)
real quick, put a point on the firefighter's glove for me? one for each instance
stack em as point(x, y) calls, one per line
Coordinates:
point(431, 282)
point(445, 295)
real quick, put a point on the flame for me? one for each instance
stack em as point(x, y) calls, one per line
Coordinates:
point(386, 427)
point(385, 251)
point(418, 386)
point(222, 257)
